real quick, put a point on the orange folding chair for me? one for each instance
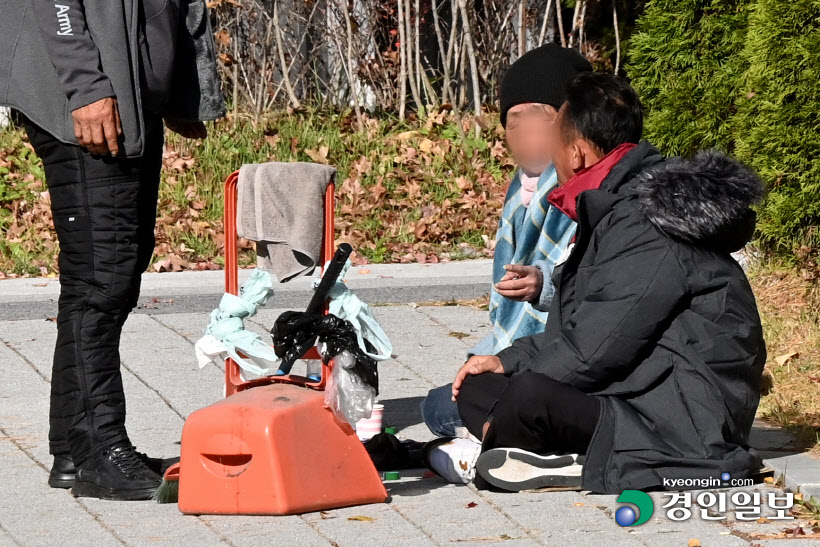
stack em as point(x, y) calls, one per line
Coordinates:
point(272, 447)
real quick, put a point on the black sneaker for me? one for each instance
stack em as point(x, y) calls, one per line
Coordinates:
point(515, 470)
point(63, 471)
point(116, 473)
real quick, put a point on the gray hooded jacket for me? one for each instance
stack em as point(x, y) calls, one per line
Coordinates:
point(152, 55)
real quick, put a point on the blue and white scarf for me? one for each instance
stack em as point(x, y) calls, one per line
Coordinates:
point(534, 235)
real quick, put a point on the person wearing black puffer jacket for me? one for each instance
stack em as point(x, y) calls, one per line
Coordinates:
point(650, 364)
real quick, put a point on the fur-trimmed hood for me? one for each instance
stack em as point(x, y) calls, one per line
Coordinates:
point(703, 200)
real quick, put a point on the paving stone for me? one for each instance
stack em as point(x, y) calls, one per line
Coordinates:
point(32, 514)
point(254, 531)
point(378, 524)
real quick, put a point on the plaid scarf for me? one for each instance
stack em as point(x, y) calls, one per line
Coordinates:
point(526, 235)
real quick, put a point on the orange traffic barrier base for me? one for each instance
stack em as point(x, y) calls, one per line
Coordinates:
point(271, 447)
point(273, 450)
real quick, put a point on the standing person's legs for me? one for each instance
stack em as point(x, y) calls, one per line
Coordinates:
point(147, 199)
point(100, 221)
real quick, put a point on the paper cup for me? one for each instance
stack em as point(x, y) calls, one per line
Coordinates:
point(369, 427)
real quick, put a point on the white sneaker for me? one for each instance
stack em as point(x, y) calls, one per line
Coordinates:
point(453, 459)
point(514, 470)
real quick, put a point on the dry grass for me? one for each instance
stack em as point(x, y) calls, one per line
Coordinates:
point(789, 304)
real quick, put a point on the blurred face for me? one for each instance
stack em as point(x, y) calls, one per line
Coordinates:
point(529, 136)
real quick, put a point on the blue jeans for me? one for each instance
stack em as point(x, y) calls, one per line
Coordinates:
point(440, 412)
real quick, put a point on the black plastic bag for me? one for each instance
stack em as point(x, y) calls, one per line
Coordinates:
point(294, 333)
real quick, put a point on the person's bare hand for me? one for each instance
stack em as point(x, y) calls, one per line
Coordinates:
point(522, 283)
point(97, 126)
point(477, 364)
point(186, 128)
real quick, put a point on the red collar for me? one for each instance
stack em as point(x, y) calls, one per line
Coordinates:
point(565, 197)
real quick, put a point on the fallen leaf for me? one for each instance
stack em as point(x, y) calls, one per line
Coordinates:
point(40, 285)
point(798, 531)
point(471, 505)
point(319, 156)
point(326, 515)
point(483, 122)
point(694, 543)
point(578, 504)
point(769, 480)
point(364, 271)
point(459, 335)
point(785, 358)
point(361, 518)
point(51, 319)
point(223, 38)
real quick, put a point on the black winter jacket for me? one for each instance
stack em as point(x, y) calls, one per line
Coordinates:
point(653, 314)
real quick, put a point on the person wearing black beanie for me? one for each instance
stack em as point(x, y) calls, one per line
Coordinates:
point(540, 76)
point(532, 236)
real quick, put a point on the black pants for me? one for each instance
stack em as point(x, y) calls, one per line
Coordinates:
point(104, 212)
point(529, 411)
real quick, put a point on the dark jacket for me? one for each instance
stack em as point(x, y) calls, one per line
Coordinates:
point(152, 55)
point(653, 314)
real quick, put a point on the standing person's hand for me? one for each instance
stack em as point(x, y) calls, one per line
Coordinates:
point(97, 126)
point(477, 364)
point(522, 283)
point(186, 128)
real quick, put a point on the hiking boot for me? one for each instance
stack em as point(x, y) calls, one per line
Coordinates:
point(63, 471)
point(116, 473)
point(514, 470)
point(452, 459)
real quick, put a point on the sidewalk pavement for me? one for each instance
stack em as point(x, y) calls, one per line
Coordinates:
point(163, 386)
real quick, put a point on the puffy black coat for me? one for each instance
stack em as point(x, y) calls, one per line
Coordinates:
point(653, 314)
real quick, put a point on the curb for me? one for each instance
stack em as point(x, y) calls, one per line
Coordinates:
point(199, 292)
point(796, 470)
point(800, 473)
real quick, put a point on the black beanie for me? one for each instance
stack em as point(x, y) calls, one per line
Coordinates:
point(541, 76)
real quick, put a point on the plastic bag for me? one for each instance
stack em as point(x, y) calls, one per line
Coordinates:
point(346, 305)
point(225, 336)
point(347, 395)
point(296, 332)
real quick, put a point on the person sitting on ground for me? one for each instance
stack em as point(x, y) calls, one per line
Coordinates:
point(653, 353)
point(532, 234)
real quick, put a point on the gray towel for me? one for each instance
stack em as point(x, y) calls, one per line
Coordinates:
point(280, 206)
